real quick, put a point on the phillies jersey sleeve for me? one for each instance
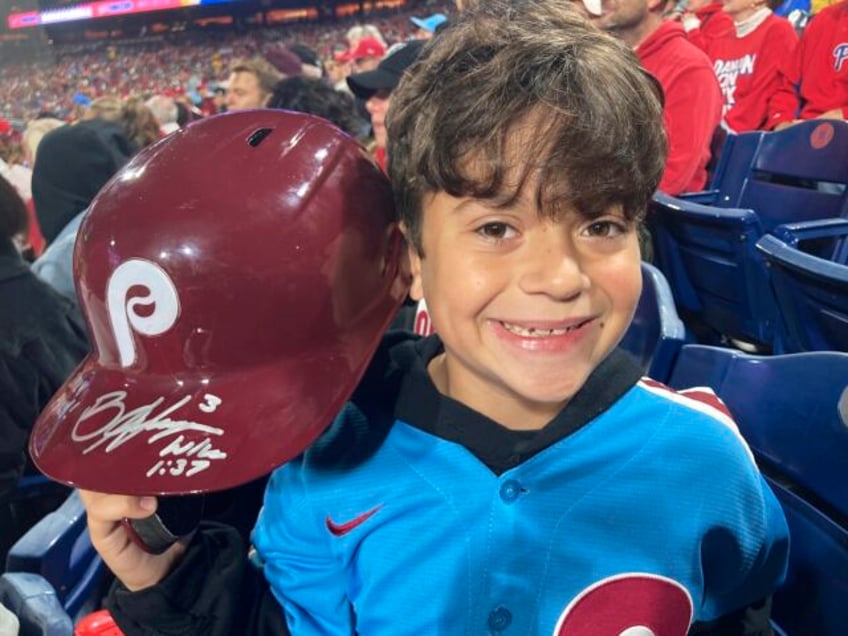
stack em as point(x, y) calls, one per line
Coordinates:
point(750, 71)
point(651, 514)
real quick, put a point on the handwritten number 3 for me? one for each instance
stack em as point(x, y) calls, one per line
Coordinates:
point(212, 402)
point(179, 469)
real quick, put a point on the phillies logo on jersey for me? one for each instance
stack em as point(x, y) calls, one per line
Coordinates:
point(840, 54)
point(633, 604)
point(155, 292)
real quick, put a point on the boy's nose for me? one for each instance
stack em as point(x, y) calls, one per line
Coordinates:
point(552, 268)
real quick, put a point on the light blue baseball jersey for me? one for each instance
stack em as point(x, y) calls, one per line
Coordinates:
point(649, 515)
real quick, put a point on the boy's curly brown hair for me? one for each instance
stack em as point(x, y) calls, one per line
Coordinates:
point(526, 91)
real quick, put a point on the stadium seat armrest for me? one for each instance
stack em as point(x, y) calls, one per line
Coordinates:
point(33, 600)
point(704, 197)
point(699, 210)
point(775, 250)
point(794, 233)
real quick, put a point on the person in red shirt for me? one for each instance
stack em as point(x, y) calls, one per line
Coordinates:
point(704, 21)
point(815, 84)
point(693, 101)
point(748, 62)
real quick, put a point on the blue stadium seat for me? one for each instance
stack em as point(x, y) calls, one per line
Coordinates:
point(734, 163)
point(791, 410)
point(34, 602)
point(58, 549)
point(33, 496)
point(656, 333)
point(811, 291)
point(827, 239)
point(799, 174)
point(792, 175)
point(705, 242)
point(719, 282)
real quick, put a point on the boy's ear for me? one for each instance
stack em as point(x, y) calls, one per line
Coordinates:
point(416, 291)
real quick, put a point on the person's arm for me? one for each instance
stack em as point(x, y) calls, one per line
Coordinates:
point(212, 591)
point(692, 26)
point(751, 111)
point(204, 585)
point(693, 106)
point(28, 378)
point(296, 551)
point(785, 103)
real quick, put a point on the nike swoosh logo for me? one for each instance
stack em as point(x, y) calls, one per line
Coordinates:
point(341, 529)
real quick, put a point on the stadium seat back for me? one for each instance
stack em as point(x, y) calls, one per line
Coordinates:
point(813, 150)
point(811, 294)
point(798, 174)
point(59, 549)
point(732, 156)
point(792, 411)
point(33, 497)
point(657, 332)
point(812, 598)
point(717, 278)
point(734, 166)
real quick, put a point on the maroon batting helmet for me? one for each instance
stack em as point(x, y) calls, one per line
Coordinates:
point(236, 278)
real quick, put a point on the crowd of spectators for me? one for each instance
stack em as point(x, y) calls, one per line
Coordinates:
point(193, 63)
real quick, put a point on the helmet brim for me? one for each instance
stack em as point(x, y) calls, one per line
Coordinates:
point(110, 430)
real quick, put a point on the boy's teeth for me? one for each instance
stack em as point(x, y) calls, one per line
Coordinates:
point(533, 332)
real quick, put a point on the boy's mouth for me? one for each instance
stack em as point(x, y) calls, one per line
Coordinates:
point(536, 332)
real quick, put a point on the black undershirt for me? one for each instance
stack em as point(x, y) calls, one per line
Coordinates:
point(420, 404)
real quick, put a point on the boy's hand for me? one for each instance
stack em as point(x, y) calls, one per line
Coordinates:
point(134, 567)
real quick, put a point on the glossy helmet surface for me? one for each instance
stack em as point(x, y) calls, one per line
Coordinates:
point(236, 279)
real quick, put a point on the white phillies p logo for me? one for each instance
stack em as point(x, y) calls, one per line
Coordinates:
point(161, 293)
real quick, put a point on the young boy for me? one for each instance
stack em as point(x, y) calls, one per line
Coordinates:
point(512, 474)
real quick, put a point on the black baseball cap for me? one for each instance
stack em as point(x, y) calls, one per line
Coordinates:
point(388, 73)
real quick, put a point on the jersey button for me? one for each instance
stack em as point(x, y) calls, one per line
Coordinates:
point(510, 491)
point(499, 619)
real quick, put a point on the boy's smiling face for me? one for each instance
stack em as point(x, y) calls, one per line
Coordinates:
point(527, 306)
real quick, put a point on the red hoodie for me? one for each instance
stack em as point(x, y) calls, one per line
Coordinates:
point(715, 23)
point(693, 104)
point(819, 68)
point(749, 70)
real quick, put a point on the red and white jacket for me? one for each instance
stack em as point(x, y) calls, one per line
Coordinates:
point(816, 79)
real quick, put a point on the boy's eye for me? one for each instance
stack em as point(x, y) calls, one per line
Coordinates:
point(605, 229)
point(496, 231)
